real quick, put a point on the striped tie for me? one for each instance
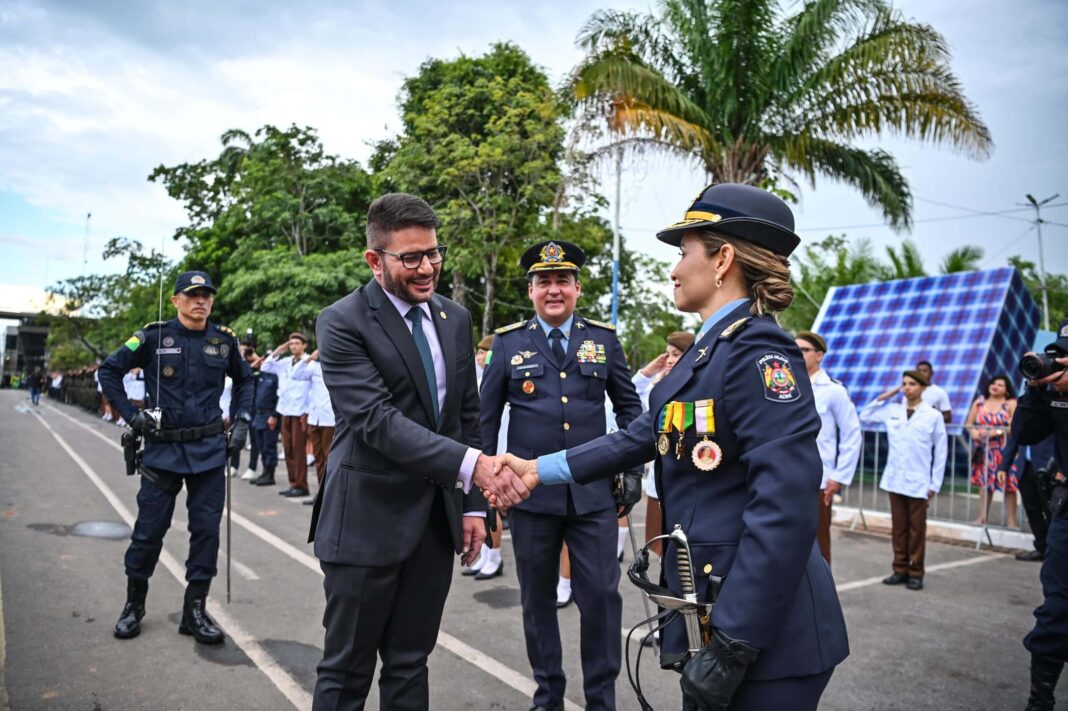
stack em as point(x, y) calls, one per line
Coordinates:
point(415, 315)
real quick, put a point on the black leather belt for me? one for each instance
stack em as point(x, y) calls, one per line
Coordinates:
point(187, 434)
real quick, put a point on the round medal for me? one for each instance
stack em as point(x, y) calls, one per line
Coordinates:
point(663, 444)
point(517, 359)
point(168, 342)
point(168, 371)
point(706, 455)
point(528, 387)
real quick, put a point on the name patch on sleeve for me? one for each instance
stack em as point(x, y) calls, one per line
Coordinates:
point(777, 378)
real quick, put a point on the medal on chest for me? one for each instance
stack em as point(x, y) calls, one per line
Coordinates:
point(706, 455)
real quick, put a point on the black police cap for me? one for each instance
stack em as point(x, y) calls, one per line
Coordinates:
point(1062, 337)
point(552, 256)
point(741, 211)
point(187, 281)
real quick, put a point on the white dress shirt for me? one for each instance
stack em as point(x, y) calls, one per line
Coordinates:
point(292, 393)
point(134, 385)
point(320, 411)
point(937, 398)
point(467, 467)
point(224, 399)
point(839, 438)
point(916, 462)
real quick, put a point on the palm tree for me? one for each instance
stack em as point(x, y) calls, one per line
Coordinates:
point(962, 259)
point(906, 264)
point(754, 94)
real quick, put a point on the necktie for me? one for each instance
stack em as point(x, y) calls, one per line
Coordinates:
point(556, 345)
point(415, 315)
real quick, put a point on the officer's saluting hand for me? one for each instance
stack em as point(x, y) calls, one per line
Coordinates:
point(185, 361)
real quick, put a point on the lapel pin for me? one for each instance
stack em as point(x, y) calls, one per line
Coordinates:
point(443, 316)
point(701, 352)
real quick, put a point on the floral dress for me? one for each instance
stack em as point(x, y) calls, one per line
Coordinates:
point(987, 471)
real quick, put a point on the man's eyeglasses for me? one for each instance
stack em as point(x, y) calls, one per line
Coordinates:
point(807, 350)
point(412, 260)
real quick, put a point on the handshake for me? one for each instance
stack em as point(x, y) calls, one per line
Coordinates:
point(505, 480)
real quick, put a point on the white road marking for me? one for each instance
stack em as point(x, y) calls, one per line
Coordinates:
point(929, 569)
point(4, 701)
point(508, 676)
point(281, 678)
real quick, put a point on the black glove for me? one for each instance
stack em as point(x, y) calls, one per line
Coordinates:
point(140, 422)
point(711, 676)
point(627, 491)
point(238, 435)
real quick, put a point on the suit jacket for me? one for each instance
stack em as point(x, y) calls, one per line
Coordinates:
point(751, 518)
point(388, 461)
point(556, 405)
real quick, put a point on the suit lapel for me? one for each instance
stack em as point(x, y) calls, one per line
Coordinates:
point(573, 340)
point(447, 340)
point(397, 331)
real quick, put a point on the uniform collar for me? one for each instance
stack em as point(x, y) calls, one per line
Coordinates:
point(565, 327)
point(719, 315)
point(821, 378)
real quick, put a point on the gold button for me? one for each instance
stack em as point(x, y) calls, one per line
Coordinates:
point(563, 374)
point(563, 399)
point(526, 374)
point(567, 426)
point(708, 568)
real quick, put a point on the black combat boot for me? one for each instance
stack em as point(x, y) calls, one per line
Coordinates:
point(1044, 675)
point(195, 620)
point(265, 479)
point(129, 624)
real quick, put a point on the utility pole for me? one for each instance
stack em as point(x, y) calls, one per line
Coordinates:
point(615, 238)
point(1041, 254)
point(85, 243)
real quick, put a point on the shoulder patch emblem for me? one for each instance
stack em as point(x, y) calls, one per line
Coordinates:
point(510, 327)
point(777, 378)
point(602, 324)
point(734, 327)
point(135, 341)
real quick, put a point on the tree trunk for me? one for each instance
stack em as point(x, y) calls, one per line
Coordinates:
point(490, 277)
point(459, 288)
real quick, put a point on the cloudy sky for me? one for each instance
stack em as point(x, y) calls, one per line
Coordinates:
point(95, 93)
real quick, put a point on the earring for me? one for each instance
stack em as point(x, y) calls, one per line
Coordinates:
point(719, 283)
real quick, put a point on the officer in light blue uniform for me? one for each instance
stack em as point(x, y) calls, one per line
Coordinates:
point(554, 371)
point(733, 432)
point(185, 361)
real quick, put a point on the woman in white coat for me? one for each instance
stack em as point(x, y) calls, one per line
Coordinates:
point(915, 467)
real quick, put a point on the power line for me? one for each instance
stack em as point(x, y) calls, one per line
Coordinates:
point(1008, 244)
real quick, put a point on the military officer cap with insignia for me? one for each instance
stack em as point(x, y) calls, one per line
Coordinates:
point(187, 281)
point(552, 256)
point(741, 211)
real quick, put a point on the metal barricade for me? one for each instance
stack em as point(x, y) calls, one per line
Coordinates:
point(972, 464)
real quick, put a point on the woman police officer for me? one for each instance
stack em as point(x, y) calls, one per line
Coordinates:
point(733, 433)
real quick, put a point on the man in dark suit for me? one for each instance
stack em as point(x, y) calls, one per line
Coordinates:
point(400, 493)
point(554, 371)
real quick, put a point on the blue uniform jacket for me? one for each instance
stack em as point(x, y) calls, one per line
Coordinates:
point(190, 369)
point(266, 399)
point(556, 405)
point(753, 518)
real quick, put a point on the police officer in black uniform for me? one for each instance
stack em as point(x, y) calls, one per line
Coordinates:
point(265, 422)
point(732, 430)
point(1043, 411)
point(186, 361)
point(554, 371)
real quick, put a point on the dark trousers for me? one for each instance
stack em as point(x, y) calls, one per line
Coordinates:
point(591, 542)
point(265, 444)
point(205, 497)
point(392, 612)
point(1049, 638)
point(253, 454)
point(294, 443)
point(823, 528)
point(1035, 506)
point(799, 693)
point(908, 519)
point(35, 395)
point(321, 438)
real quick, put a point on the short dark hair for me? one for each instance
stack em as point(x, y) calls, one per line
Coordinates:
point(927, 363)
point(1010, 392)
point(396, 211)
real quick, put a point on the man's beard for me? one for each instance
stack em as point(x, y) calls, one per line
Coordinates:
point(401, 291)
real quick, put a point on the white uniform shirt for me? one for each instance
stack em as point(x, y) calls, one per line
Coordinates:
point(916, 462)
point(937, 398)
point(224, 399)
point(57, 381)
point(320, 411)
point(134, 385)
point(292, 394)
point(839, 438)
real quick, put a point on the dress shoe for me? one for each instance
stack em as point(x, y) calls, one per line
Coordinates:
point(263, 480)
point(915, 582)
point(896, 579)
point(295, 493)
point(1031, 556)
point(548, 708)
point(129, 623)
point(197, 623)
point(486, 575)
point(310, 502)
point(287, 492)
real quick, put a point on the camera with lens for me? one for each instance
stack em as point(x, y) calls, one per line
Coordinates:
point(1036, 366)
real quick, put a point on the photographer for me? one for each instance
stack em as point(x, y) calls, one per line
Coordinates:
point(1042, 411)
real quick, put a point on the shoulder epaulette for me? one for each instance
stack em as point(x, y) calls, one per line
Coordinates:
point(227, 330)
point(735, 327)
point(602, 324)
point(510, 327)
point(153, 324)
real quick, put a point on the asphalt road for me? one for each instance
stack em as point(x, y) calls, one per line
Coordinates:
point(955, 645)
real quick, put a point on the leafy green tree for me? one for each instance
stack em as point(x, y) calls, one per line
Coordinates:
point(905, 263)
point(831, 262)
point(1057, 284)
point(751, 91)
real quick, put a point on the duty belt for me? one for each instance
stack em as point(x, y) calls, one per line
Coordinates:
point(187, 434)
